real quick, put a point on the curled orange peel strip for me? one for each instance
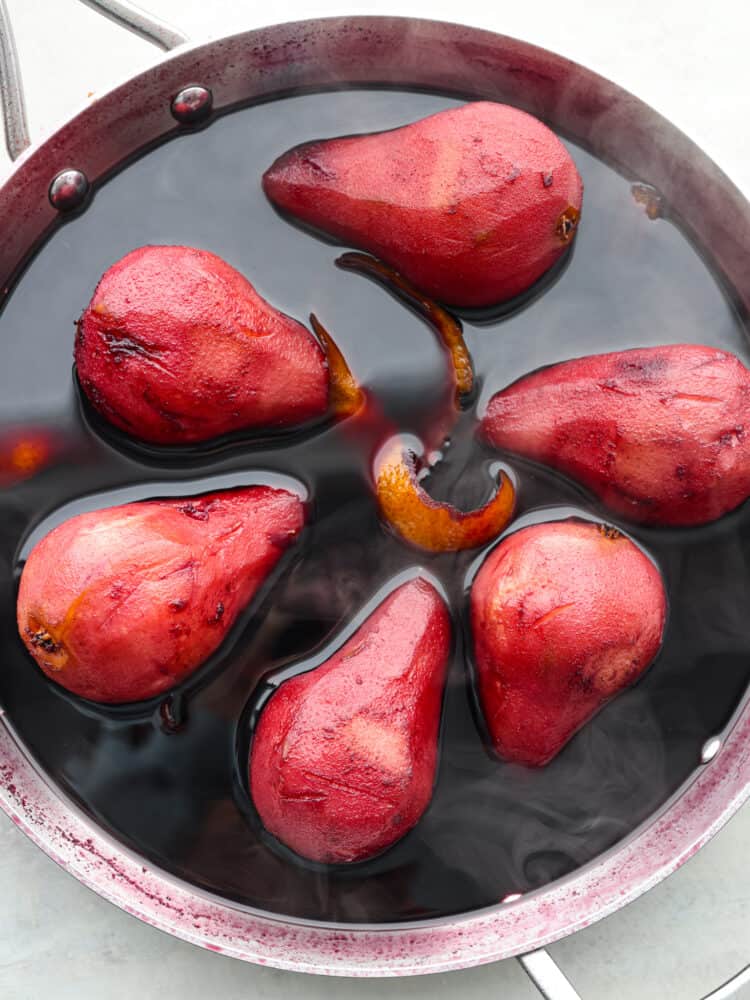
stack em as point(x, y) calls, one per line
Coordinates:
point(447, 327)
point(429, 524)
point(345, 396)
point(404, 505)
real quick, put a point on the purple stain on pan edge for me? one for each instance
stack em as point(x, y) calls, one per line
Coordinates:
point(594, 891)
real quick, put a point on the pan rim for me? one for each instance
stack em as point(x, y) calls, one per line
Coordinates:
point(656, 849)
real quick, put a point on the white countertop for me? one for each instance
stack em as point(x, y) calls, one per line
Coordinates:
point(689, 60)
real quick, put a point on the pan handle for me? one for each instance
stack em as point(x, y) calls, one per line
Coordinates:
point(547, 976)
point(17, 137)
point(552, 984)
point(11, 90)
point(139, 21)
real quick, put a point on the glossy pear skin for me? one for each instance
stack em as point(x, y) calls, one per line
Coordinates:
point(118, 605)
point(468, 204)
point(564, 615)
point(343, 759)
point(660, 434)
point(177, 347)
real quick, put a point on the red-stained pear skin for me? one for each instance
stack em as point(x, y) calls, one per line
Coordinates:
point(660, 434)
point(120, 604)
point(177, 347)
point(564, 615)
point(343, 759)
point(472, 204)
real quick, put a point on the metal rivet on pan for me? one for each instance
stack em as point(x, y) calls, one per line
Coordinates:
point(68, 190)
point(192, 105)
point(511, 897)
point(710, 749)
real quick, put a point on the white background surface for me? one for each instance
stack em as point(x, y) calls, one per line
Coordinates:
point(689, 60)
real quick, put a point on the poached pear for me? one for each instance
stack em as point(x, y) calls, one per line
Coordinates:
point(177, 347)
point(659, 434)
point(120, 604)
point(472, 204)
point(564, 615)
point(343, 758)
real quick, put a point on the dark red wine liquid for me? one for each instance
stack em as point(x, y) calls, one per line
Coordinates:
point(168, 779)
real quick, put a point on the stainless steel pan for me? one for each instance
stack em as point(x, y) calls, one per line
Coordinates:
point(54, 176)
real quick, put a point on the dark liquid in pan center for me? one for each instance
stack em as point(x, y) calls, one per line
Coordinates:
point(170, 782)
